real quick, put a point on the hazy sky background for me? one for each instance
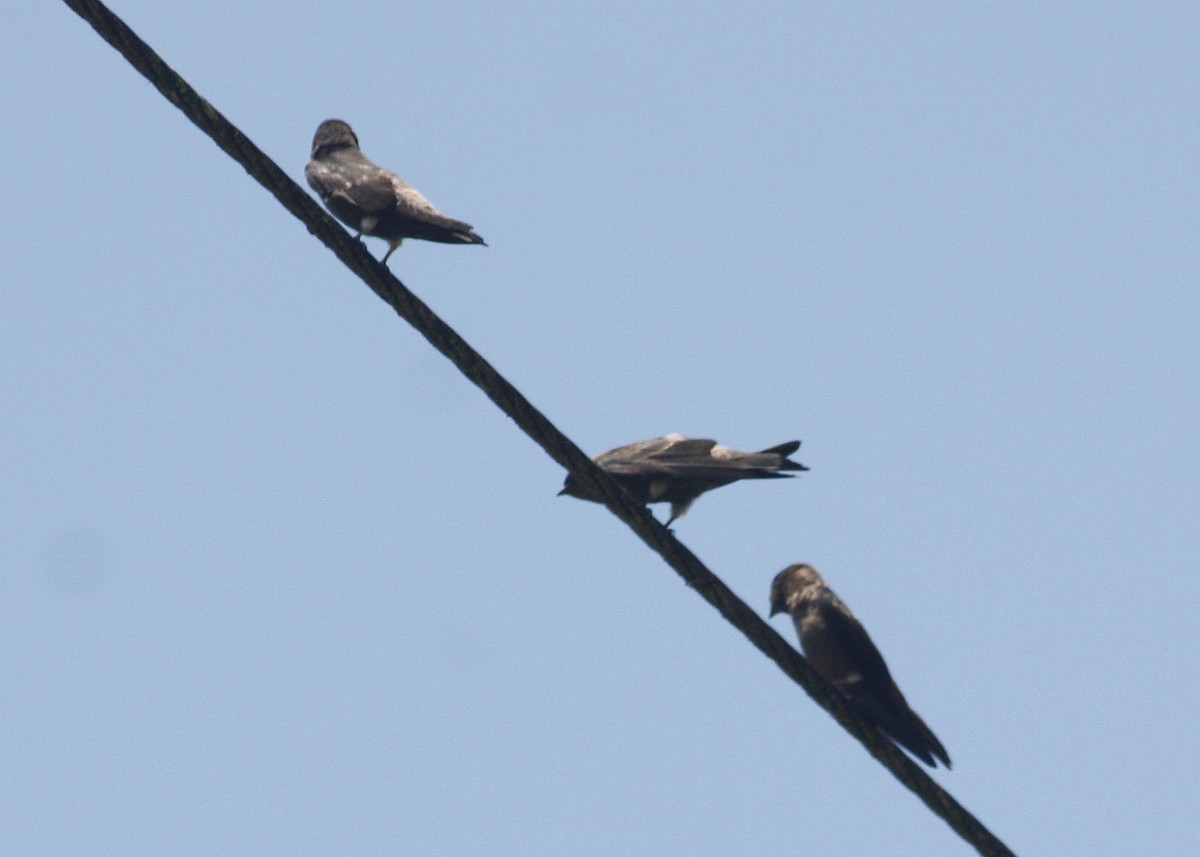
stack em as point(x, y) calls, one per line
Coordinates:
point(278, 581)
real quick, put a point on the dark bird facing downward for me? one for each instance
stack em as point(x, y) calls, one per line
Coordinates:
point(677, 469)
point(837, 646)
point(371, 200)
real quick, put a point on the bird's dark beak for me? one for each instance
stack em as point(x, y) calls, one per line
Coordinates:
point(561, 493)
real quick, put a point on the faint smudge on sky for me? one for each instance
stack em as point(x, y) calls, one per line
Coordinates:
point(77, 561)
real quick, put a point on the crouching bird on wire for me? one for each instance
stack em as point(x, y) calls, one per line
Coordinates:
point(837, 646)
point(677, 469)
point(371, 200)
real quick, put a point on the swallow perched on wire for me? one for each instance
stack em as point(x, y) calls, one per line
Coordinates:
point(677, 469)
point(371, 200)
point(837, 646)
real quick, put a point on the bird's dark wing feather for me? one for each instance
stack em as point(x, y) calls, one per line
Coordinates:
point(629, 454)
point(710, 471)
point(688, 447)
point(688, 458)
point(349, 201)
point(428, 217)
point(373, 196)
point(415, 217)
point(749, 466)
point(877, 694)
point(632, 468)
point(705, 459)
point(854, 641)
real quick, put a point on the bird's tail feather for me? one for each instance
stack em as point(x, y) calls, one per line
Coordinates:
point(783, 451)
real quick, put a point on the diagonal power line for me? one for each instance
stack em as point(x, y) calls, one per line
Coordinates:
point(481, 373)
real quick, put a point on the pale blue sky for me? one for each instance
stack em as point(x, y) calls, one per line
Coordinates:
point(278, 581)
